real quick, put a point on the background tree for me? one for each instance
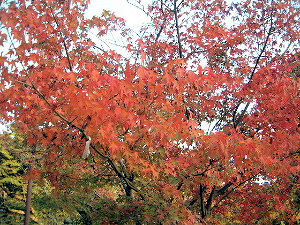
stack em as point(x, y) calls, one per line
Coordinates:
point(46, 207)
point(199, 62)
point(11, 184)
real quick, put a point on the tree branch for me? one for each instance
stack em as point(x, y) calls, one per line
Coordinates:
point(240, 117)
point(224, 189)
point(209, 201)
point(233, 189)
point(64, 40)
point(262, 51)
point(177, 29)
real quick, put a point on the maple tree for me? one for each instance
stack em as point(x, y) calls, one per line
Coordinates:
point(199, 107)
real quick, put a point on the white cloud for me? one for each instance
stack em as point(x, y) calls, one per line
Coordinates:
point(134, 17)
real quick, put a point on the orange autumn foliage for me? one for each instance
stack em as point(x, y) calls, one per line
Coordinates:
point(196, 110)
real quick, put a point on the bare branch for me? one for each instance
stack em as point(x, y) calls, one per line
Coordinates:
point(261, 52)
point(64, 40)
point(177, 29)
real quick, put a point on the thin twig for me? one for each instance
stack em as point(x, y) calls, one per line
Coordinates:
point(64, 40)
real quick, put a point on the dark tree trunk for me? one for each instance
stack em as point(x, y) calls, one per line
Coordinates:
point(28, 202)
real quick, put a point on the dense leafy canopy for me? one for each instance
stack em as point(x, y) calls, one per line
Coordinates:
point(11, 185)
point(197, 108)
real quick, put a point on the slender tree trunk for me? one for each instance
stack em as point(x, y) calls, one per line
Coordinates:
point(28, 202)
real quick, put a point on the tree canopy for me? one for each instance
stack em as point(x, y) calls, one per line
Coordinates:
point(179, 126)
